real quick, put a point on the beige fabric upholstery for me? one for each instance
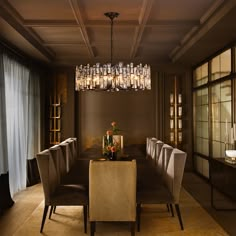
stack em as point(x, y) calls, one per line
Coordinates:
point(149, 147)
point(56, 194)
point(153, 148)
point(48, 174)
point(169, 190)
point(174, 173)
point(73, 147)
point(67, 155)
point(164, 157)
point(59, 161)
point(158, 148)
point(112, 190)
point(73, 153)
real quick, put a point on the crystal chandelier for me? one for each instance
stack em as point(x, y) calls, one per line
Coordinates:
point(109, 77)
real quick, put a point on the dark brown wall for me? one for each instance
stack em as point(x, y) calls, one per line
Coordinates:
point(61, 82)
point(87, 115)
point(133, 112)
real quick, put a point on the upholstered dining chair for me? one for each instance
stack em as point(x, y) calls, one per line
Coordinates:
point(169, 191)
point(158, 148)
point(75, 174)
point(148, 151)
point(56, 194)
point(163, 159)
point(153, 148)
point(67, 155)
point(73, 147)
point(150, 146)
point(112, 192)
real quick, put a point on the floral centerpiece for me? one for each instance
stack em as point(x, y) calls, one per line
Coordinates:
point(115, 129)
point(111, 147)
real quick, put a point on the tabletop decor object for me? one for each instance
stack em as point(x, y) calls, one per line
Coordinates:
point(230, 156)
point(112, 142)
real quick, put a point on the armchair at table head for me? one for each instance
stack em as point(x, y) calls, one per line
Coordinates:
point(112, 192)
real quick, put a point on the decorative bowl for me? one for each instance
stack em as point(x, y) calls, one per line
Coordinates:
point(230, 153)
point(230, 156)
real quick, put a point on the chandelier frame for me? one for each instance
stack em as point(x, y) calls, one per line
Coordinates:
point(111, 77)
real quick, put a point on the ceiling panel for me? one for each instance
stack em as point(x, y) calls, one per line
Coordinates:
point(95, 9)
point(43, 9)
point(74, 31)
point(164, 34)
point(179, 10)
point(59, 34)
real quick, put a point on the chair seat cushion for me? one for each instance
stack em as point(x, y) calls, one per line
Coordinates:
point(73, 194)
point(159, 194)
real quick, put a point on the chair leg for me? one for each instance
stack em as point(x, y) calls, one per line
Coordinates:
point(167, 206)
point(132, 228)
point(179, 216)
point(138, 213)
point(44, 217)
point(171, 209)
point(54, 209)
point(92, 228)
point(85, 218)
point(50, 213)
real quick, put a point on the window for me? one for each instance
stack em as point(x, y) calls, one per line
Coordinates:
point(221, 65)
point(200, 75)
point(221, 116)
point(212, 102)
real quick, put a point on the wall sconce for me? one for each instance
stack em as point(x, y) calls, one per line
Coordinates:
point(176, 113)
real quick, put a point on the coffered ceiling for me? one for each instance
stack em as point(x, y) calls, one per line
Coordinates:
point(70, 32)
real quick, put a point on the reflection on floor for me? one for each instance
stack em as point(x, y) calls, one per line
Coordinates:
point(200, 189)
point(24, 218)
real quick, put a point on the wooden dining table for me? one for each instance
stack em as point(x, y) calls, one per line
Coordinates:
point(147, 176)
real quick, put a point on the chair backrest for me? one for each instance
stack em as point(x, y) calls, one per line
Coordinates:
point(153, 148)
point(174, 173)
point(164, 157)
point(59, 161)
point(67, 155)
point(72, 147)
point(48, 174)
point(112, 190)
point(148, 153)
point(148, 146)
point(158, 148)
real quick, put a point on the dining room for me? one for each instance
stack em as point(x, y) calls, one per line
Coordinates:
point(138, 84)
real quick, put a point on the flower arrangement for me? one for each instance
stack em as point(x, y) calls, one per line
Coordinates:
point(111, 147)
point(115, 129)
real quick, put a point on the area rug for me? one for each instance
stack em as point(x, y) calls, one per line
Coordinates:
point(155, 221)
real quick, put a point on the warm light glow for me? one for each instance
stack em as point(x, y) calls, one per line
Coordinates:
point(113, 78)
point(109, 77)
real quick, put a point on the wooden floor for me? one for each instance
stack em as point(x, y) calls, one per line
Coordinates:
point(225, 211)
point(24, 219)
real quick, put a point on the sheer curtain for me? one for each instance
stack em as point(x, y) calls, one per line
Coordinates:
point(34, 124)
point(3, 130)
point(22, 116)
